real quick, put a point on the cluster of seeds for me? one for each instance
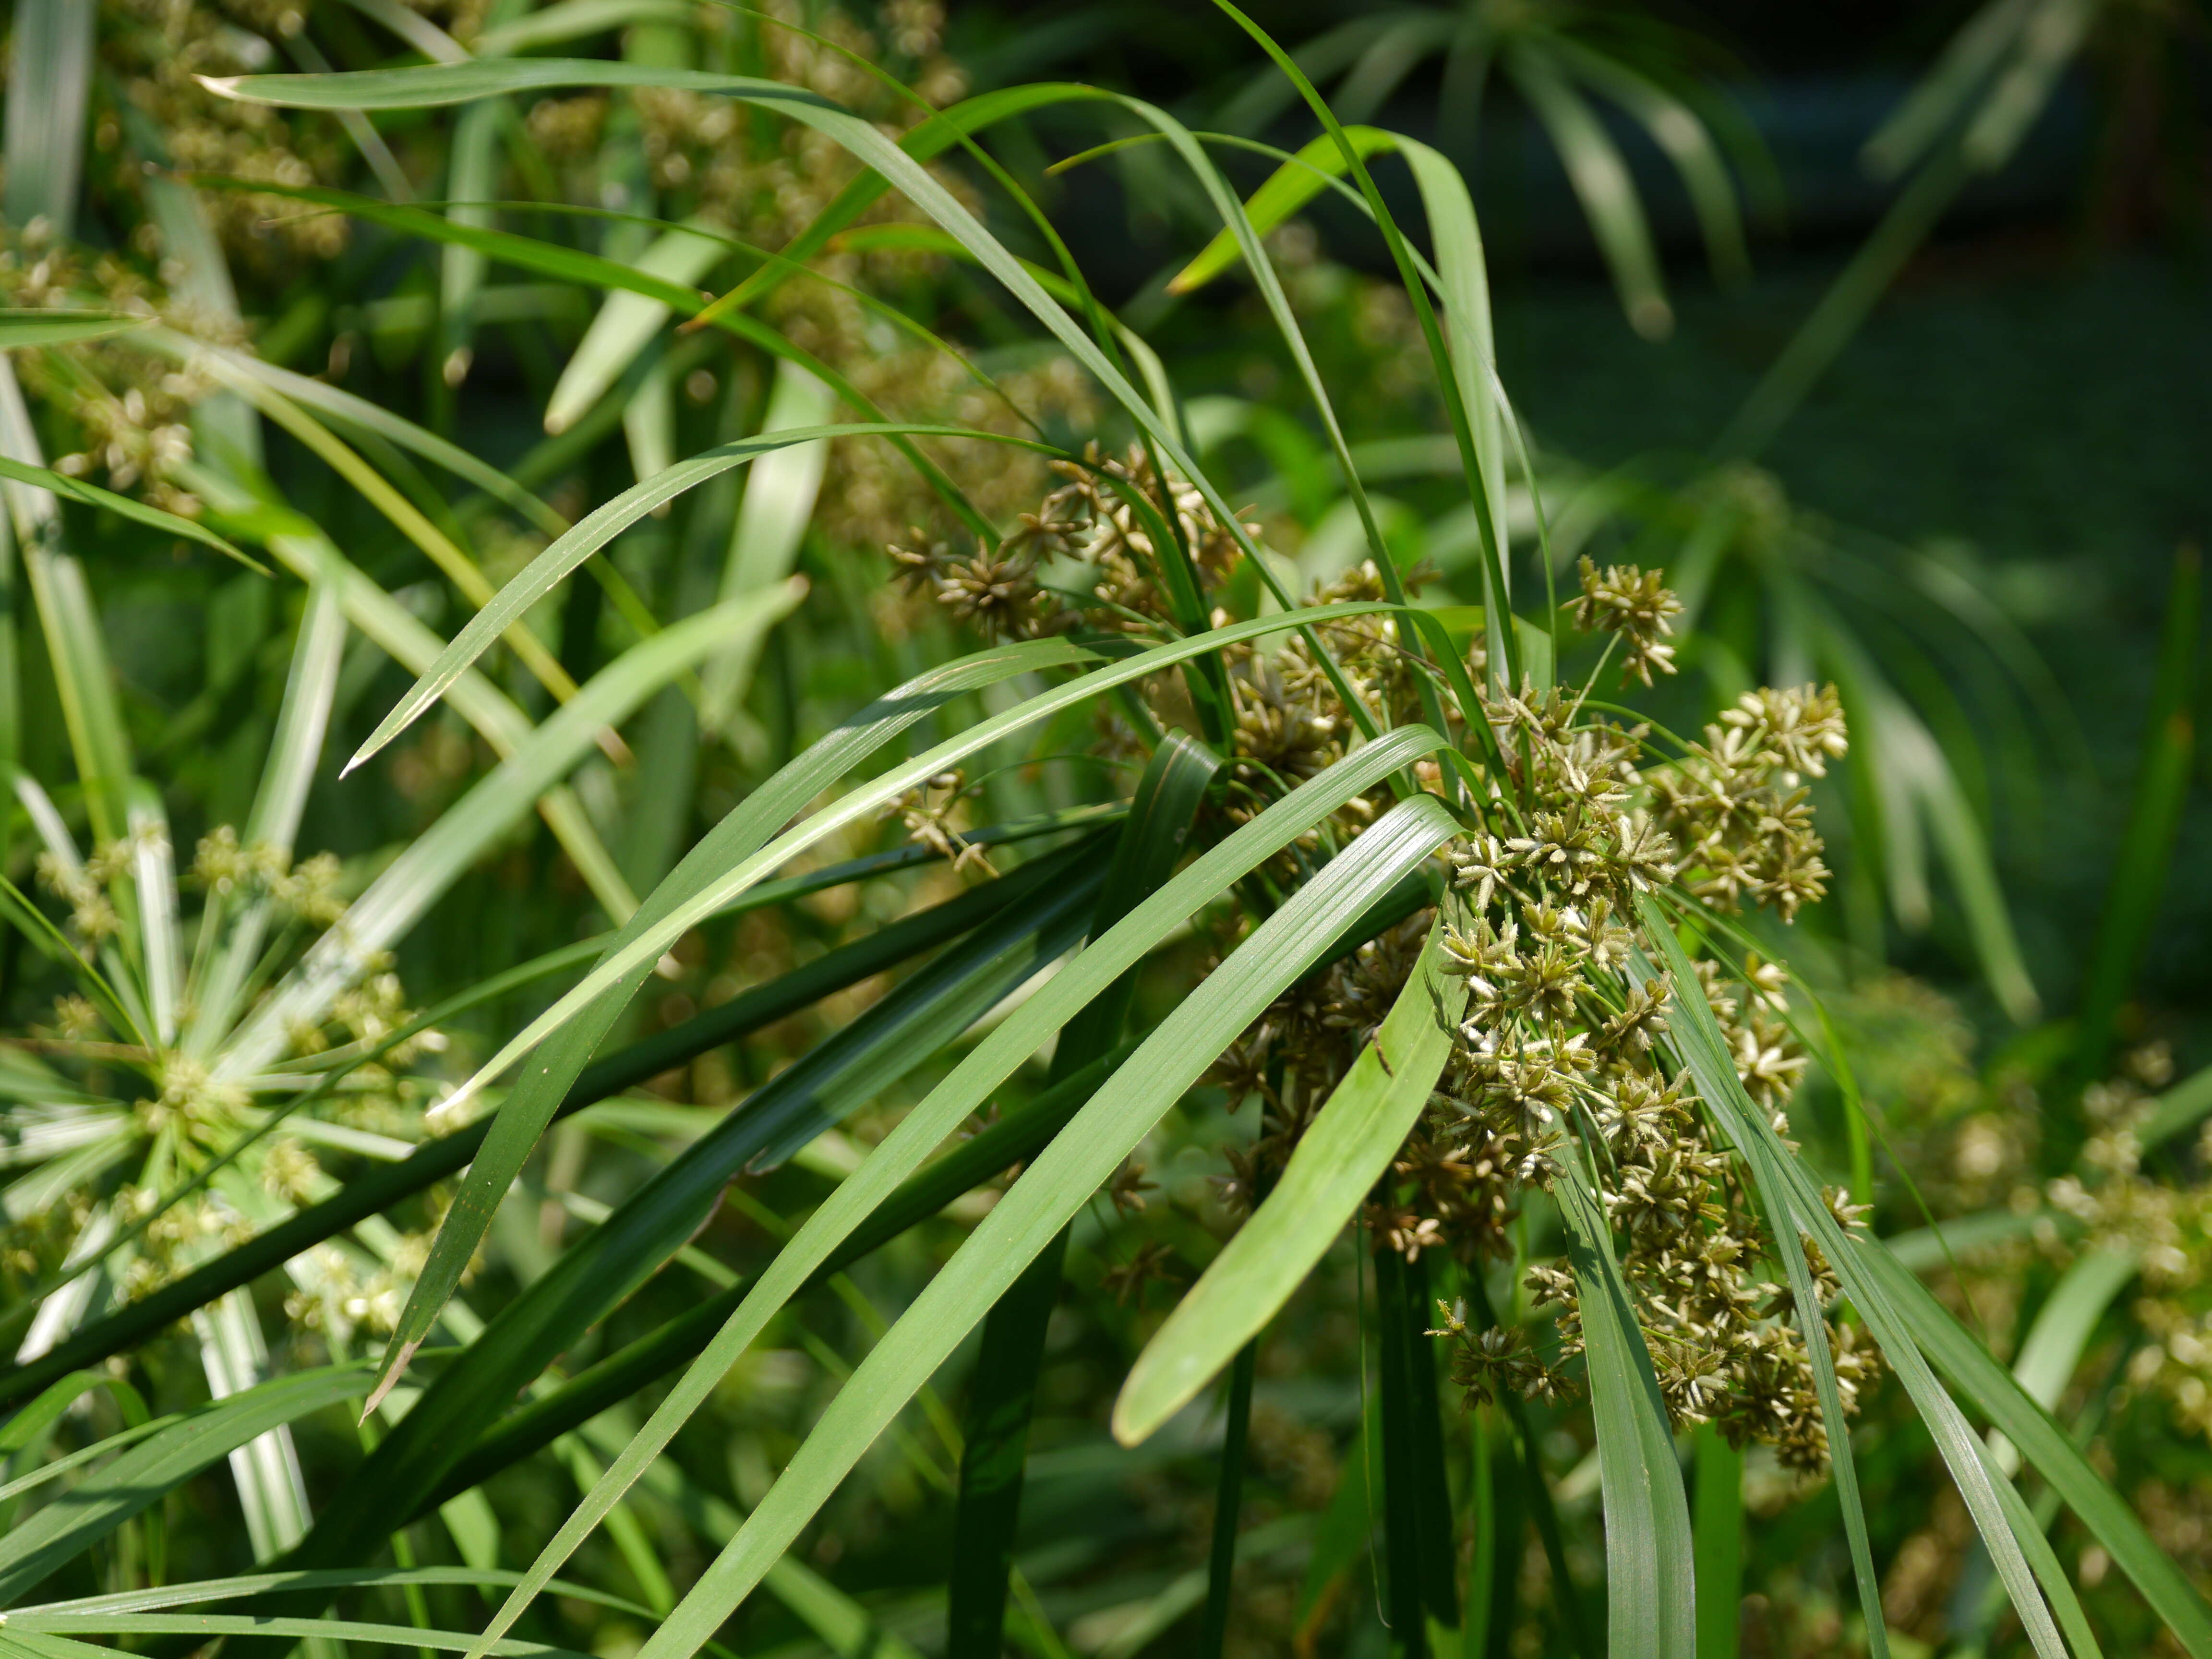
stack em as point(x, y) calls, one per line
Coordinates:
point(1561, 1073)
point(173, 1108)
point(127, 405)
point(1090, 557)
point(1560, 1069)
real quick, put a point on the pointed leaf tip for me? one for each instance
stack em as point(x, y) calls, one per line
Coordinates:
point(223, 86)
point(395, 1367)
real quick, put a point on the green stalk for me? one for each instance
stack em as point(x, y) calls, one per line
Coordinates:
point(1719, 1532)
point(1403, 1517)
point(1567, 1597)
point(1228, 1497)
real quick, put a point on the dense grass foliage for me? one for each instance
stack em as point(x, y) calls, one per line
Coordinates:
point(734, 925)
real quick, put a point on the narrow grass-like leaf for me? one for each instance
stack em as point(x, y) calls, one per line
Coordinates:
point(2182, 1107)
point(273, 1492)
point(443, 84)
point(400, 634)
point(1717, 1538)
point(1012, 1139)
point(68, 619)
point(1793, 1203)
point(995, 1432)
point(201, 1590)
point(88, 494)
point(1966, 63)
point(1345, 1150)
point(863, 802)
point(1228, 1495)
point(2028, 1527)
point(2045, 1446)
point(1053, 1187)
point(434, 859)
point(1686, 141)
point(380, 1188)
point(153, 893)
point(1452, 212)
point(1601, 180)
point(627, 322)
point(1417, 1496)
point(471, 162)
point(575, 20)
point(41, 1413)
point(1850, 300)
point(2052, 37)
point(2054, 1342)
point(939, 132)
point(103, 1501)
point(343, 409)
point(847, 1209)
point(20, 326)
point(212, 1625)
point(553, 259)
point(49, 90)
point(772, 520)
point(310, 687)
point(1650, 1561)
point(539, 1093)
point(843, 1074)
point(551, 567)
point(995, 1438)
point(1287, 190)
point(459, 568)
point(1920, 794)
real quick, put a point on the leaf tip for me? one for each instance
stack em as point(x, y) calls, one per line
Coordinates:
point(223, 86)
point(1127, 1430)
point(395, 1367)
point(448, 1113)
point(1651, 317)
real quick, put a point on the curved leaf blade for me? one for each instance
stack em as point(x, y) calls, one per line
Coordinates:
point(103, 1501)
point(1058, 1183)
point(556, 562)
point(153, 518)
point(412, 882)
point(537, 1094)
point(994, 1059)
point(1345, 1150)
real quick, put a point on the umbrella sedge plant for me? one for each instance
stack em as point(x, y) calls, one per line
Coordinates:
point(1473, 961)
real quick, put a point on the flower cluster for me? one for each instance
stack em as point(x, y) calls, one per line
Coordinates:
point(930, 812)
point(1737, 805)
point(1560, 1070)
point(2165, 1226)
point(1089, 557)
point(126, 404)
point(1636, 607)
point(153, 53)
point(160, 1095)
